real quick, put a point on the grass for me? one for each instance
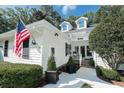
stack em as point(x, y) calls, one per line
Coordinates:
point(122, 78)
point(85, 85)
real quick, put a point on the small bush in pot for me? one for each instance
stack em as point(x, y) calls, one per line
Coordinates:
point(51, 73)
point(71, 66)
point(91, 62)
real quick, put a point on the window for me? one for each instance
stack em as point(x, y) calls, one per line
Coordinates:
point(77, 49)
point(52, 51)
point(25, 53)
point(6, 48)
point(88, 51)
point(64, 27)
point(66, 49)
point(69, 49)
point(81, 23)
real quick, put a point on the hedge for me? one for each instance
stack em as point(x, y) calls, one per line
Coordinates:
point(86, 85)
point(108, 74)
point(19, 75)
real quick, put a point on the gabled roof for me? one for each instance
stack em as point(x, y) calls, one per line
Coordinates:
point(84, 18)
point(65, 22)
point(82, 30)
point(36, 27)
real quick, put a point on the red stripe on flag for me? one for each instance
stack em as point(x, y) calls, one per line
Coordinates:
point(20, 38)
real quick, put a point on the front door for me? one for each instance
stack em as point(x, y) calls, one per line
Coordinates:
point(82, 51)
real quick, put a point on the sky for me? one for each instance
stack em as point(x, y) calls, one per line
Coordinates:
point(64, 10)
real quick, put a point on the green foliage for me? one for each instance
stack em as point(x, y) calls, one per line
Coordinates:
point(91, 62)
point(108, 10)
point(51, 66)
point(122, 78)
point(108, 74)
point(72, 20)
point(19, 75)
point(90, 16)
point(10, 16)
point(107, 39)
point(85, 85)
point(70, 61)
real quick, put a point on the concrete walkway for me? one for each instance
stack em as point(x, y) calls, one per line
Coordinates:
point(83, 75)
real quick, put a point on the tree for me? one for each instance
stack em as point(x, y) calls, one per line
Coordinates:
point(9, 16)
point(72, 20)
point(90, 16)
point(108, 10)
point(107, 39)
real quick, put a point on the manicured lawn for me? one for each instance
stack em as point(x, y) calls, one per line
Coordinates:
point(86, 85)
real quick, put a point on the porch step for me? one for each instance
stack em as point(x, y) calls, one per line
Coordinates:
point(85, 63)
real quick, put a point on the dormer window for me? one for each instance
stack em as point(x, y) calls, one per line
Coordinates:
point(65, 26)
point(81, 22)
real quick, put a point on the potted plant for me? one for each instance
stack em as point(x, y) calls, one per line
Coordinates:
point(71, 66)
point(51, 74)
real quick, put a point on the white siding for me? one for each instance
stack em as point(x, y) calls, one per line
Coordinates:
point(57, 42)
point(34, 55)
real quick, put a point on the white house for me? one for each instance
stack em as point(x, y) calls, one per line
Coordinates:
point(47, 40)
point(80, 41)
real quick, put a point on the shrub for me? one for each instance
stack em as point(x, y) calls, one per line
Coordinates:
point(108, 74)
point(19, 75)
point(91, 62)
point(70, 61)
point(51, 66)
point(85, 85)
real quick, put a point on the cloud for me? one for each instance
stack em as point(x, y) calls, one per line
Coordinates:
point(68, 8)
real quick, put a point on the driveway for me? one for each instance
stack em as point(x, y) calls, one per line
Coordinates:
point(83, 75)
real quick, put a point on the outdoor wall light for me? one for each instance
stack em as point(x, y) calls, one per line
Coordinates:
point(33, 42)
point(56, 34)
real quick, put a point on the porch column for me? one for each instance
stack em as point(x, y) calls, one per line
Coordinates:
point(80, 56)
point(85, 51)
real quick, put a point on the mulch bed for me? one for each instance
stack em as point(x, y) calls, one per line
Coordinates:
point(119, 83)
point(42, 83)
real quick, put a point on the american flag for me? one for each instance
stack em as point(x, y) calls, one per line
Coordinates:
point(22, 34)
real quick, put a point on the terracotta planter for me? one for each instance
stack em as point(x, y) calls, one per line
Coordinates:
point(118, 83)
point(52, 76)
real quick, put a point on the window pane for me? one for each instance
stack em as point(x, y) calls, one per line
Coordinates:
point(77, 49)
point(6, 48)
point(66, 49)
point(25, 54)
point(64, 27)
point(52, 51)
point(81, 23)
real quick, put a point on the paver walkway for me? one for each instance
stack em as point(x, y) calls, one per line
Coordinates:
point(83, 75)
